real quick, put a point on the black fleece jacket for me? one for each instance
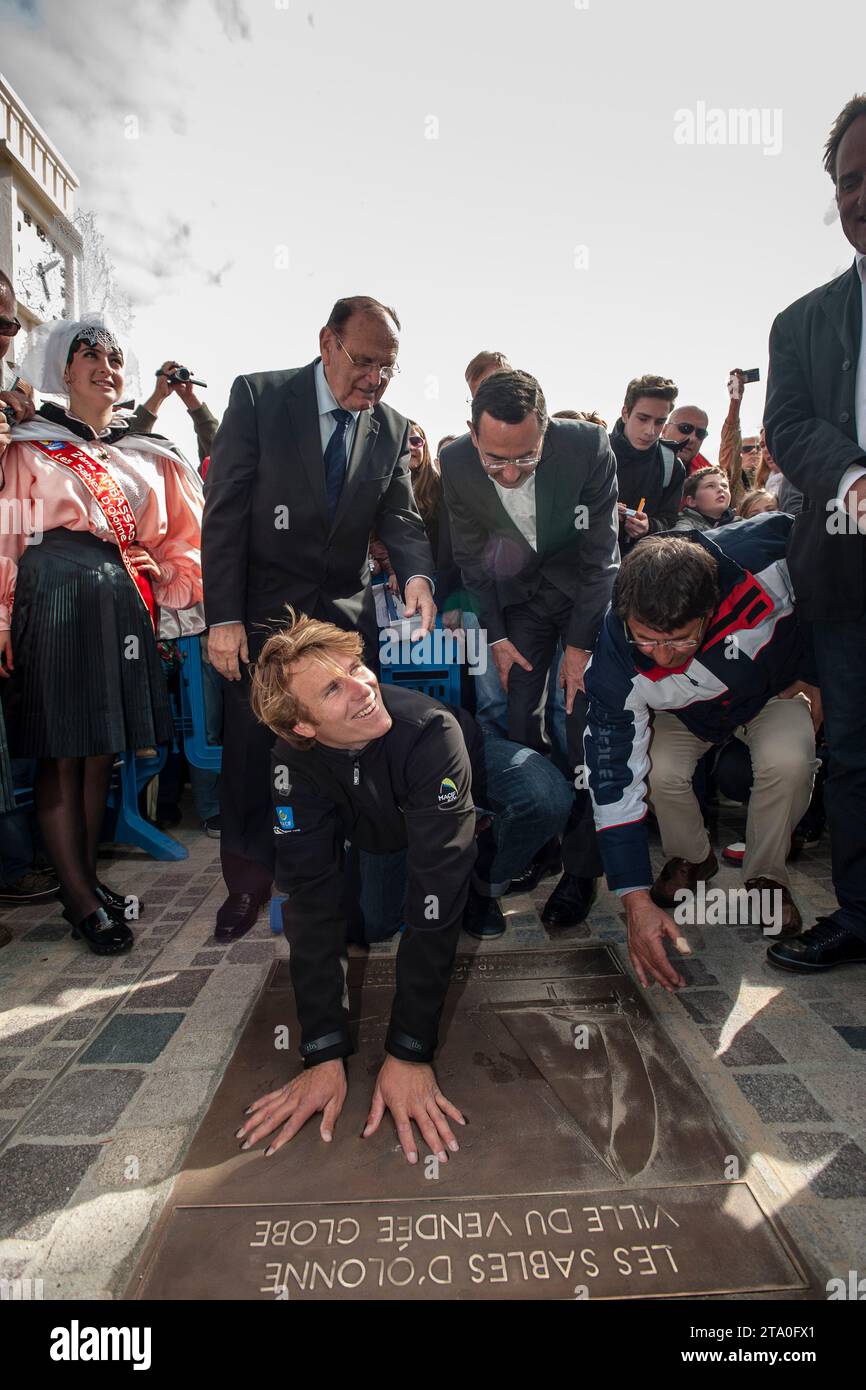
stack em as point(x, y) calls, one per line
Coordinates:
point(640, 474)
point(410, 789)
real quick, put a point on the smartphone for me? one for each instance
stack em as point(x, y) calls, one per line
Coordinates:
point(753, 375)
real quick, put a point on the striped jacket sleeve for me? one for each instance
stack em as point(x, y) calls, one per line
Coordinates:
point(616, 748)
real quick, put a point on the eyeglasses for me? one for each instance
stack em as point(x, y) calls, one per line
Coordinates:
point(750, 449)
point(385, 372)
point(675, 644)
point(527, 464)
point(9, 327)
point(688, 429)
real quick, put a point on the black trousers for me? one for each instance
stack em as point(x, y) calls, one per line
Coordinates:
point(840, 651)
point(246, 801)
point(537, 628)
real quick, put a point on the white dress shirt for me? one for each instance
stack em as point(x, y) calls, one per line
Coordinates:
point(328, 402)
point(519, 502)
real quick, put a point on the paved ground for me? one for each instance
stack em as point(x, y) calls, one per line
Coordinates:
point(106, 1067)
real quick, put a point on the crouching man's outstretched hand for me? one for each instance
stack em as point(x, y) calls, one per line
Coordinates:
point(321, 1088)
point(410, 1091)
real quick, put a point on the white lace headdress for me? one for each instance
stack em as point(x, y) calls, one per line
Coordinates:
point(48, 349)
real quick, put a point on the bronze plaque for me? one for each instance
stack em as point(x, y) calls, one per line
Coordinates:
point(592, 1166)
point(601, 1245)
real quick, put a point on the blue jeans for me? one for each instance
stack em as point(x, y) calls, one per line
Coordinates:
point(529, 802)
point(491, 702)
point(840, 651)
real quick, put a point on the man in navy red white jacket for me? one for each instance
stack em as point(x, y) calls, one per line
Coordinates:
point(701, 641)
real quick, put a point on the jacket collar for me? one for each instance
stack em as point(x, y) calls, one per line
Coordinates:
point(842, 302)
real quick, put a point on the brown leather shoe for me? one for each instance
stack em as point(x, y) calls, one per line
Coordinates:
point(679, 873)
point(792, 922)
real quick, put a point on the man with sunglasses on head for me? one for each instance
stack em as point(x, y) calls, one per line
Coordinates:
point(532, 509)
point(306, 464)
point(649, 474)
point(701, 642)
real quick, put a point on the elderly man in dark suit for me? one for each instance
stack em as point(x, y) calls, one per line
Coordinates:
point(307, 462)
point(815, 422)
point(533, 522)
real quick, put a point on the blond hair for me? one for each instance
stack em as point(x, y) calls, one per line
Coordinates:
point(272, 699)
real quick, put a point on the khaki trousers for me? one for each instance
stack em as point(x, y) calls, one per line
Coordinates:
point(781, 741)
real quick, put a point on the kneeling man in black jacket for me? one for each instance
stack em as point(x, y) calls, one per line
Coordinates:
point(388, 770)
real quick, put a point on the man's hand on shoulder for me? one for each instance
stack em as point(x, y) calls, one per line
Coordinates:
point(410, 1091)
point(321, 1088)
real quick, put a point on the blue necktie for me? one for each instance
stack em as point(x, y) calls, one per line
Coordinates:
point(335, 460)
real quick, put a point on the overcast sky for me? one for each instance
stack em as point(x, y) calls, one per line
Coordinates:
point(529, 177)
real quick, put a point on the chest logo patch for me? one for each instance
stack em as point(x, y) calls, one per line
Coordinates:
point(285, 820)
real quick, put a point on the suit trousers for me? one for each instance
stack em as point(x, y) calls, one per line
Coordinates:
point(781, 741)
point(538, 628)
point(840, 651)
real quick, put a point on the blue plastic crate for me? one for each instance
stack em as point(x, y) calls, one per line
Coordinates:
point(193, 724)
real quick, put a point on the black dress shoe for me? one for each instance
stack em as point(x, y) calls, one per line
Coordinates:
point(103, 933)
point(570, 901)
point(821, 948)
point(237, 916)
point(546, 864)
point(482, 917)
point(113, 902)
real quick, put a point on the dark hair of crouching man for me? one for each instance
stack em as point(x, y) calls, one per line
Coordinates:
point(392, 773)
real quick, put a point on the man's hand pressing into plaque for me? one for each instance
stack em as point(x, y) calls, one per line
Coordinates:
point(410, 1091)
point(321, 1088)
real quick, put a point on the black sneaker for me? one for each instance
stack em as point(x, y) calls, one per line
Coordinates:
point(824, 946)
point(212, 827)
point(35, 887)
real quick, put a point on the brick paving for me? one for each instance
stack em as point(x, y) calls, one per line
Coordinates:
point(107, 1066)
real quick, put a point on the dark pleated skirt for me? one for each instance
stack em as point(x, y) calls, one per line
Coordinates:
point(88, 679)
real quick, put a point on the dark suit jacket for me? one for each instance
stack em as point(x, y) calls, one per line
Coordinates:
point(812, 434)
point(498, 564)
point(268, 455)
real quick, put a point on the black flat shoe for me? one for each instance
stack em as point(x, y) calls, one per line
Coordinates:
point(482, 917)
point(113, 902)
point(238, 915)
point(821, 948)
point(103, 933)
point(570, 901)
point(546, 864)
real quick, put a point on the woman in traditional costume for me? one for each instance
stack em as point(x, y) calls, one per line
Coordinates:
point(108, 547)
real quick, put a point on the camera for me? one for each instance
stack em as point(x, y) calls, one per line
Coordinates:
point(9, 412)
point(181, 376)
point(754, 374)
